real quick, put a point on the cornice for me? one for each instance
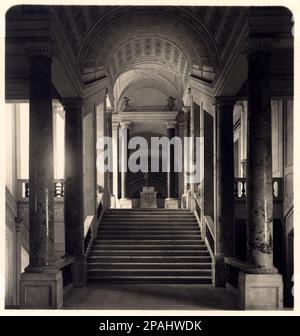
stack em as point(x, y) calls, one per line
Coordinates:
point(252, 46)
point(72, 103)
point(44, 49)
point(156, 116)
point(28, 17)
point(224, 101)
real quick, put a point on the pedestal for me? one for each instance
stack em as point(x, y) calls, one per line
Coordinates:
point(260, 291)
point(41, 290)
point(125, 203)
point(148, 198)
point(171, 203)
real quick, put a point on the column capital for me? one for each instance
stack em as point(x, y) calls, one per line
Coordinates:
point(171, 124)
point(259, 45)
point(43, 49)
point(125, 124)
point(224, 100)
point(186, 109)
point(71, 103)
point(115, 125)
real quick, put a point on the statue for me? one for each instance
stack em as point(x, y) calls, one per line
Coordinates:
point(171, 103)
point(125, 104)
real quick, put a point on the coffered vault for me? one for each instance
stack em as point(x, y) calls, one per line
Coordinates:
point(107, 41)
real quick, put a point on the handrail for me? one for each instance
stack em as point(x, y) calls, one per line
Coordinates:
point(206, 224)
point(91, 225)
point(209, 234)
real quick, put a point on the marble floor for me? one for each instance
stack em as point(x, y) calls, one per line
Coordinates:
point(150, 297)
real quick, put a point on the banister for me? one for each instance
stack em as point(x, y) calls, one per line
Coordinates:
point(91, 225)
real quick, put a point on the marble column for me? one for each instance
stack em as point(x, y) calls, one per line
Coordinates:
point(259, 163)
point(41, 278)
point(171, 202)
point(207, 163)
point(73, 196)
point(186, 153)
point(244, 128)
point(125, 202)
point(115, 162)
point(180, 133)
point(260, 285)
point(18, 242)
point(192, 136)
point(224, 180)
point(109, 134)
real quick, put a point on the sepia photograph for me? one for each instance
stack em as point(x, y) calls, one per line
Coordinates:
point(149, 158)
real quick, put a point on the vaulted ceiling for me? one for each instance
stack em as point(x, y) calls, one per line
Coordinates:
point(116, 38)
point(113, 40)
point(165, 48)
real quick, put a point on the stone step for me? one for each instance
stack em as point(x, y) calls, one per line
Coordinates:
point(135, 227)
point(100, 252)
point(144, 210)
point(149, 247)
point(155, 234)
point(150, 220)
point(205, 280)
point(116, 241)
point(150, 265)
point(148, 272)
point(155, 259)
point(149, 237)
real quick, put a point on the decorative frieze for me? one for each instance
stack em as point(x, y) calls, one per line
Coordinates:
point(42, 49)
point(257, 46)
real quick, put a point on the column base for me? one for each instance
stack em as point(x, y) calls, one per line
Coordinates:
point(125, 203)
point(41, 290)
point(171, 203)
point(260, 291)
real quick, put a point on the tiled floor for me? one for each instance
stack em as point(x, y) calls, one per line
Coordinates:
point(150, 297)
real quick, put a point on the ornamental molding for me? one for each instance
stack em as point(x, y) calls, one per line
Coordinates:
point(42, 49)
point(71, 103)
point(115, 125)
point(224, 101)
point(29, 17)
point(257, 46)
point(125, 124)
point(249, 268)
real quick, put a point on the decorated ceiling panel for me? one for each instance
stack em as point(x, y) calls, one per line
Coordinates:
point(113, 38)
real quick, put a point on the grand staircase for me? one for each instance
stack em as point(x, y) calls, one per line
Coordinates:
point(155, 246)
